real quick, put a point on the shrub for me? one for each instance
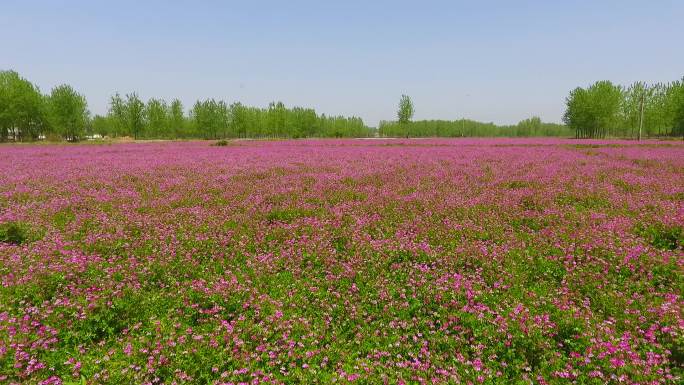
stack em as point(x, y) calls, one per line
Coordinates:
point(664, 237)
point(13, 232)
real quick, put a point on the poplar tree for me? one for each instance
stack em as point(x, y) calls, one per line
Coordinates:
point(117, 115)
point(177, 119)
point(157, 116)
point(594, 112)
point(135, 115)
point(67, 112)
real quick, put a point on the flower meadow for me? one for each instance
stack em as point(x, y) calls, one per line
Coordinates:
point(343, 261)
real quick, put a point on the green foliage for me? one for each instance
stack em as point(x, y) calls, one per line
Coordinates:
point(157, 116)
point(405, 113)
point(604, 109)
point(583, 202)
point(470, 128)
point(134, 110)
point(117, 115)
point(42, 289)
point(529, 127)
point(176, 119)
point(14, 233)
point(663, 237)
point(128, 116)
point(101, 126)
point(594, 112)
point(210, 118)
point(601, 110)
point(62, 218)
point(67, 112)
point(107, 321)
point(675, 104)
point(22, 108)
point(518, 184)
point(214, 119)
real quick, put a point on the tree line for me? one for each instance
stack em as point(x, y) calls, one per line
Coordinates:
point(405, 127)
point(605, 110)
point(601, 110)
point(598, 111)
point(215, 119)
point(531, 127)
point(26, 114)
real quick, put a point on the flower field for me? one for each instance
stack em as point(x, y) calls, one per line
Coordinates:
point(343, 261)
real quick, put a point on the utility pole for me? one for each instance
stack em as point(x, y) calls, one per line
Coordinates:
point(641, 113)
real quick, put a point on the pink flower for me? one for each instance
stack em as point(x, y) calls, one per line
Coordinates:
point(617, 362)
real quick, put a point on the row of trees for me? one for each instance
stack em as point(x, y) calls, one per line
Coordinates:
point(213, 119)
point(608, 110)
point(470, 128)
point(598, 111)
point(404, 127)
point(27, 114)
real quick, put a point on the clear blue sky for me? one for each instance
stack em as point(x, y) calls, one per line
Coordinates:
point(497, 61)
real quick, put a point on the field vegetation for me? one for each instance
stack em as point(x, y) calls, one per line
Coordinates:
point(473, 261)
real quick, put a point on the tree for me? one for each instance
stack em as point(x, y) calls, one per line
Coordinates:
point(135, 115)
point(223, 118)
point(26, 114)
point(157, 115)
point(117, 115)
point(631, 106)
point(22, 108)
point(405, 113)
point(239, 119)
point(211, 118)
point(102, 126)
point(594, 112)
point(529, 127)
point(67, 112)
point(176, 118)
point(277, 119)
point(676, 102)
point(606, 99)
point(577, 112)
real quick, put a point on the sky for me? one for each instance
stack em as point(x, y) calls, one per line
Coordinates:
point(494, 61)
